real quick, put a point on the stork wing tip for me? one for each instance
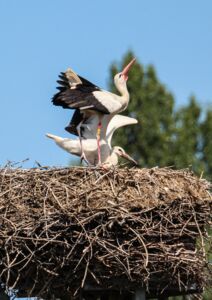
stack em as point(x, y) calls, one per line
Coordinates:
point(72, 76)
point(49, 135)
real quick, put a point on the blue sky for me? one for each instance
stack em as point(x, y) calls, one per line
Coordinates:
point(43, 37)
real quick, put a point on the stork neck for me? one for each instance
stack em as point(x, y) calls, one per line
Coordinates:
point(124, 94)
point(125, 98)
point(123, 90)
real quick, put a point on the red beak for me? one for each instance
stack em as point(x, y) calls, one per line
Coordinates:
point(128, 157)
point(127, 68)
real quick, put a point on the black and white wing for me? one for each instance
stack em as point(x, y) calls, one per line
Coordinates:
point(75, 92)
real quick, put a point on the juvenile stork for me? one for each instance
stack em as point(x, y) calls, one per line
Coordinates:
point(109, 155)
point(75, 92)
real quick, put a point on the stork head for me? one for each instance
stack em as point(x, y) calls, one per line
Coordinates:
point(121, 153)
point(121, 78)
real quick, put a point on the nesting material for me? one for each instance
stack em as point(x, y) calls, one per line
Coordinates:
point(62, 229)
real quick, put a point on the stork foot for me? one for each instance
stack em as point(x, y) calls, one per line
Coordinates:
point(83, 158)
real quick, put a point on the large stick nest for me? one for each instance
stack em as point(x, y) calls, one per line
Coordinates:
point(62, 229)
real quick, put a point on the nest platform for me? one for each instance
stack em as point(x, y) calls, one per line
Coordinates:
point(64, 229)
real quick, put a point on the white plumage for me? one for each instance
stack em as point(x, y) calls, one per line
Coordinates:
point(78, 93)
point(109, 155)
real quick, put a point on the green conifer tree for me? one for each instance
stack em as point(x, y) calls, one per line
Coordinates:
point(187, 150)
point(206, 130)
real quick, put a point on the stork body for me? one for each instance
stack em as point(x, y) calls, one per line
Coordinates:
point(78, 93)
point(75, 92)
point(109, 155)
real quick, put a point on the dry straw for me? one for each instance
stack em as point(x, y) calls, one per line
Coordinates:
point(62, 229)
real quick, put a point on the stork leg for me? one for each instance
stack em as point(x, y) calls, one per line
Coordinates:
point(98, 136)
point(83, 156)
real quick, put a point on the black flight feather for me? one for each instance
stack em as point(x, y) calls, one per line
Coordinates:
point(77, 96)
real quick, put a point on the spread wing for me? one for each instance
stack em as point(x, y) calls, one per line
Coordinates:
point(116, 122)
point(75, 92)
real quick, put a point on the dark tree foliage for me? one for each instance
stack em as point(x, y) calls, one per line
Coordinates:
point(206, 129)
point(187, 140)
point(164, 135)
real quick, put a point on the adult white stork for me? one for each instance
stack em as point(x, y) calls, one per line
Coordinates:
point(78, 93)
point(109, 155)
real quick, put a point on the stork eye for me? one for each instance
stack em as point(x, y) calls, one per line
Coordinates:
point(120, 75)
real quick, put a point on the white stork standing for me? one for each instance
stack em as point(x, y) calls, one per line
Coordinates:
point(78, 93)
point(109, 155)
